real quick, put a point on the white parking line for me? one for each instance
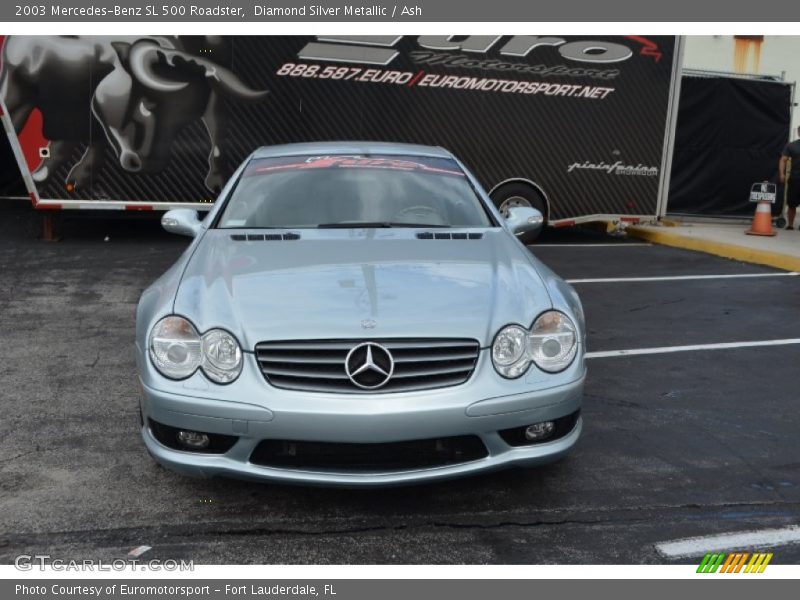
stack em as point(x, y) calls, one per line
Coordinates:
point(745, 540)
point(692, 348)
point(617, 245)
point(682, 277)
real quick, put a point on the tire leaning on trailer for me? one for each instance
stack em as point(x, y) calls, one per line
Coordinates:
point(518, 193)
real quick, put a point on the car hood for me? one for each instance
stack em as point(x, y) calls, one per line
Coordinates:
point(376, 283)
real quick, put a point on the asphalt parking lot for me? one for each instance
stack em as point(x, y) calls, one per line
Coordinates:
point(676, 444)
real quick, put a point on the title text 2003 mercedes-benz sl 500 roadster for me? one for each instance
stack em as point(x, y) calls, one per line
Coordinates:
point(357, 314)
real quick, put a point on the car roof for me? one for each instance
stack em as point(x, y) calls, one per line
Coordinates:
point(352, 147)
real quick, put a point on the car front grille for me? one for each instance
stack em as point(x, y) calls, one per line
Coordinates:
point(392, 456)
point(319, 365)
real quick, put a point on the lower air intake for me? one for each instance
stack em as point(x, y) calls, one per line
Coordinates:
point(383, 457)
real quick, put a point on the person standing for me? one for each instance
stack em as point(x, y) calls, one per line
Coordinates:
point(791, 171)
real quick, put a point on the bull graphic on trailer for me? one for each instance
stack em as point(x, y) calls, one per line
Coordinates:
point(132, 95)
point(578, 127)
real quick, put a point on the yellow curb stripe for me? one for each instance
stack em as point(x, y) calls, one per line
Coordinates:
point(741, 253)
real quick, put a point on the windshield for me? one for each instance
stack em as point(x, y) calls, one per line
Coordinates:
point(353, 191)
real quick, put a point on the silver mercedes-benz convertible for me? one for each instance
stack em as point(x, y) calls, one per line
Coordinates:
point(357, 314)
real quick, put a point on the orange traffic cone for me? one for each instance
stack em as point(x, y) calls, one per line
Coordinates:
point(762, 220)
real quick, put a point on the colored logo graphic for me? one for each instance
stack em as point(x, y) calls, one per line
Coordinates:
point(735, 563)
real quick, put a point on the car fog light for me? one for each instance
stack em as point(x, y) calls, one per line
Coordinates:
point(193, 439)
point(539, 431)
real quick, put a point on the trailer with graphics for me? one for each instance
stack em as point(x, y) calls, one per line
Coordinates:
point(579, 127)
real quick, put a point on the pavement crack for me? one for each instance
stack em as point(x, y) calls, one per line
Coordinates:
point(646, 306)
point(638, 308)
point(18, 456)
point(185, 532)
point(524, 524)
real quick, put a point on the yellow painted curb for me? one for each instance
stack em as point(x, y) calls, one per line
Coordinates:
point(749, 255)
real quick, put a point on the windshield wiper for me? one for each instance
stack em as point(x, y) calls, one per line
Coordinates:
point(374, 225)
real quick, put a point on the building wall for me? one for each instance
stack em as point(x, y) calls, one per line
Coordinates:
point(763, 55)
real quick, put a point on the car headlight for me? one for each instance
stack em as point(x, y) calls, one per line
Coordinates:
point(177, 351)
point(551, 343)
point(175, 347)
point(222, 356)
point(509, 351)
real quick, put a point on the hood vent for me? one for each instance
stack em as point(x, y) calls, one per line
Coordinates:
point(427, 235)
point(265, 237)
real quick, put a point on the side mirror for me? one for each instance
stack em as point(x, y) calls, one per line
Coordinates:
point(183, 221)
point(524, 221)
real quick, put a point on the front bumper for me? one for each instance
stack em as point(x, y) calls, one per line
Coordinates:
point(457, 411)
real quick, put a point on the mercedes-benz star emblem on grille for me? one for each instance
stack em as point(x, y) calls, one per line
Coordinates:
point(369, 365)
